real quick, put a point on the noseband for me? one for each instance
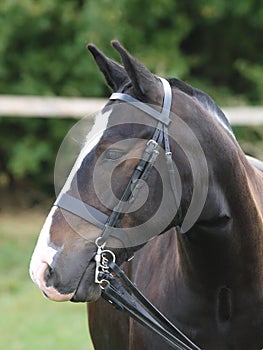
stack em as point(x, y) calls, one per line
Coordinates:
point(110, 224)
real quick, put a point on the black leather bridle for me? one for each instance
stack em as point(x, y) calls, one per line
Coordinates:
point(115, 285)
point(110, 224)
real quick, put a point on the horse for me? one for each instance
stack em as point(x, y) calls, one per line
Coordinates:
point(199, 258)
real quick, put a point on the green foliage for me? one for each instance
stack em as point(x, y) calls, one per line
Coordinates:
point(251, 140)
point(253, 73)
point(215, 45)
point(24, 160)
point(28, 149)
point(42, 49)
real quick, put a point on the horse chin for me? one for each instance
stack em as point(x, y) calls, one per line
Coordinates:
point(87, 290)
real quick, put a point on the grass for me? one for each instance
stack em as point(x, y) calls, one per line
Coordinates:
point(28, 320)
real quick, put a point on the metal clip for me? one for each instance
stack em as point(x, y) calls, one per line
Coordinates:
point(102, 259)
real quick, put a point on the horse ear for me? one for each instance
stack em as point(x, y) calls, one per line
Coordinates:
point(114, 73)
point(144, 82)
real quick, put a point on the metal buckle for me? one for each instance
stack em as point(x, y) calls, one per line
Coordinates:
point(153, 142)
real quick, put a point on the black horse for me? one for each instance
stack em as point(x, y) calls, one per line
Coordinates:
point(204, 268)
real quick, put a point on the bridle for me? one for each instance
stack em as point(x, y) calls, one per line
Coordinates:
point(110, 224)
point(118, 292)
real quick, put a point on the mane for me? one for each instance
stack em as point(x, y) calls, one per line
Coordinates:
point(205, 100)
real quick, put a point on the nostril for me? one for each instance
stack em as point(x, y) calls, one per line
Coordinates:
point(48, 275)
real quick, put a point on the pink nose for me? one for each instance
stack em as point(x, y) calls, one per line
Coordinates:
point(38, 276)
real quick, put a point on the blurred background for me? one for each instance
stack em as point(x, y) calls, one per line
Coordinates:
point(213, 45)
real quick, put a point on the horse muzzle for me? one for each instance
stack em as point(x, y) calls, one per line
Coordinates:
point(39, 277)
point(85, 290)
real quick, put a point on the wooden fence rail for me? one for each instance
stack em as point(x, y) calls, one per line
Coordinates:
point(67, 107)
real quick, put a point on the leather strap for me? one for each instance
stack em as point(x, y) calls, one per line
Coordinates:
point(81, 209)
point(164, 116)
point(91, 215)
point(125, 296)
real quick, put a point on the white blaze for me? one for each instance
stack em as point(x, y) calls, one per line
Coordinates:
point(92, 139)
point(44, 252)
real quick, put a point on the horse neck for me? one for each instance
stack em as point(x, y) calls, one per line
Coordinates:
point(211, 250)
point(246, 204)
point(226, 254)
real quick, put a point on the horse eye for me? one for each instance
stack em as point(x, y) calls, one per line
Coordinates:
point(113, 154)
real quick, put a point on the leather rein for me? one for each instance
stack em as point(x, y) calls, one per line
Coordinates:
point(116, 286)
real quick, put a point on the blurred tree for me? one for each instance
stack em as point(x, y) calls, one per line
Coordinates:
point(215, 45)
point(225, 37)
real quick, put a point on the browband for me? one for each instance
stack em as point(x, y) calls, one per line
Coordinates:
point(163, 116)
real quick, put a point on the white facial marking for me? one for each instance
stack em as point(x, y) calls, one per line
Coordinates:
point(42, 258)
point(92, 139)
point(44, 253)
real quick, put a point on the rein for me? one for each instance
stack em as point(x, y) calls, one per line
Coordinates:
point(116, 286)
point(123, 294)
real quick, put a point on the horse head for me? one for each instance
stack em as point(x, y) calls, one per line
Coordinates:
point(63, 261)
point(152, 163)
